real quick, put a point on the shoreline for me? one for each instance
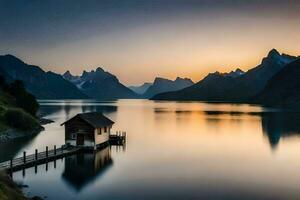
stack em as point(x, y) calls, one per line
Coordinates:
point(10, 190)
point(13, 134)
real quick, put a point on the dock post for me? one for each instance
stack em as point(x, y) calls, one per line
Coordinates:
point(36, 154)
point(54, 149)
point(46, 151)
point(62, 149)
point(11, 164)
point(24, 157)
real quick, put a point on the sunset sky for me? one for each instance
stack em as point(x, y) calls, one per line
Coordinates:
point(138, 40)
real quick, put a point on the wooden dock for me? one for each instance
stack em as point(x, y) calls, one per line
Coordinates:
point(37, 158)
point(118, 139)
point(46, 156)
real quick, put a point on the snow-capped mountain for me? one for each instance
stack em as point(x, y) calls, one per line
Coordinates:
point(100, 84)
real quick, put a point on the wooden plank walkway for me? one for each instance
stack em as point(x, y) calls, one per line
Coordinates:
point(37, 158)
point(46, 156)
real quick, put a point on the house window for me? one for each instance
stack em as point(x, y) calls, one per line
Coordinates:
point(73, 136)
point(99, 131)
point(105, 129)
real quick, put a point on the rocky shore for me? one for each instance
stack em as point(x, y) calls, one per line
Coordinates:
point(12, 134)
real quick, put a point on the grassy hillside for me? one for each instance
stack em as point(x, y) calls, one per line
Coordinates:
point(6, 102)
point(17, 112)
point(17, 108)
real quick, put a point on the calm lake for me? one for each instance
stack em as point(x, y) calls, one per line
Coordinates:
point(173, 151)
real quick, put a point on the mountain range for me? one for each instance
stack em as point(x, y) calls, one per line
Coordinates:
point(43, 85)
point(161, 85)
point(274, 82)
point(237, 86)
point(99, 84)
point(96, 84)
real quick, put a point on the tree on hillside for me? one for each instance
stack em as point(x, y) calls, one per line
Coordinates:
point(23, 99)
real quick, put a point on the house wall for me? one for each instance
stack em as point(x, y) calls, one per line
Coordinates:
point(87, 142)
point(103, 137)
point(75, 126)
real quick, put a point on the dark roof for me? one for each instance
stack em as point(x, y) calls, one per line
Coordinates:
point(95, 119)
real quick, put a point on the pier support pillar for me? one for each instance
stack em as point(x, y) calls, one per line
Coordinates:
point(24, 157)
point(36, 154)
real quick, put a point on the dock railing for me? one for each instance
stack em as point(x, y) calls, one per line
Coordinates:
point(47, 155)
point(37, 157)
point(118, 138)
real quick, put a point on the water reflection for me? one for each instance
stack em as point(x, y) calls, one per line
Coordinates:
point(175, 151)
point(53, 108)
point(81, 169)
point(275, 124)
point(10, 149)
point(280, 124)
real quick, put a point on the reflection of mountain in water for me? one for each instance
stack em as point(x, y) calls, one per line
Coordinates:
point(280, 124)
point(46, 110)
point(275, 124)
point(99, 108)
point(49, 110)
point(81, 169)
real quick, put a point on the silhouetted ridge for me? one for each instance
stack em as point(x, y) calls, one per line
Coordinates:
point(237, 86)
point(164, 85)
point(283, 89)
point(100, 84)
point(43, 85)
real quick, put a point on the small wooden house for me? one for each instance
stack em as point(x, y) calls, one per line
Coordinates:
point(90, 130)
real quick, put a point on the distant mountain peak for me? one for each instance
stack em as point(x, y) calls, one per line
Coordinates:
point(99, 69)
point(213, 75)
point(100, 84)
point(275, 57)
point(238, 70)
point(273, 53)
point(182, 79)
point(179, 78)
point(165, 85)
point(67, 73)
point(69, 76)
point(160, 79)
point(13, 58)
